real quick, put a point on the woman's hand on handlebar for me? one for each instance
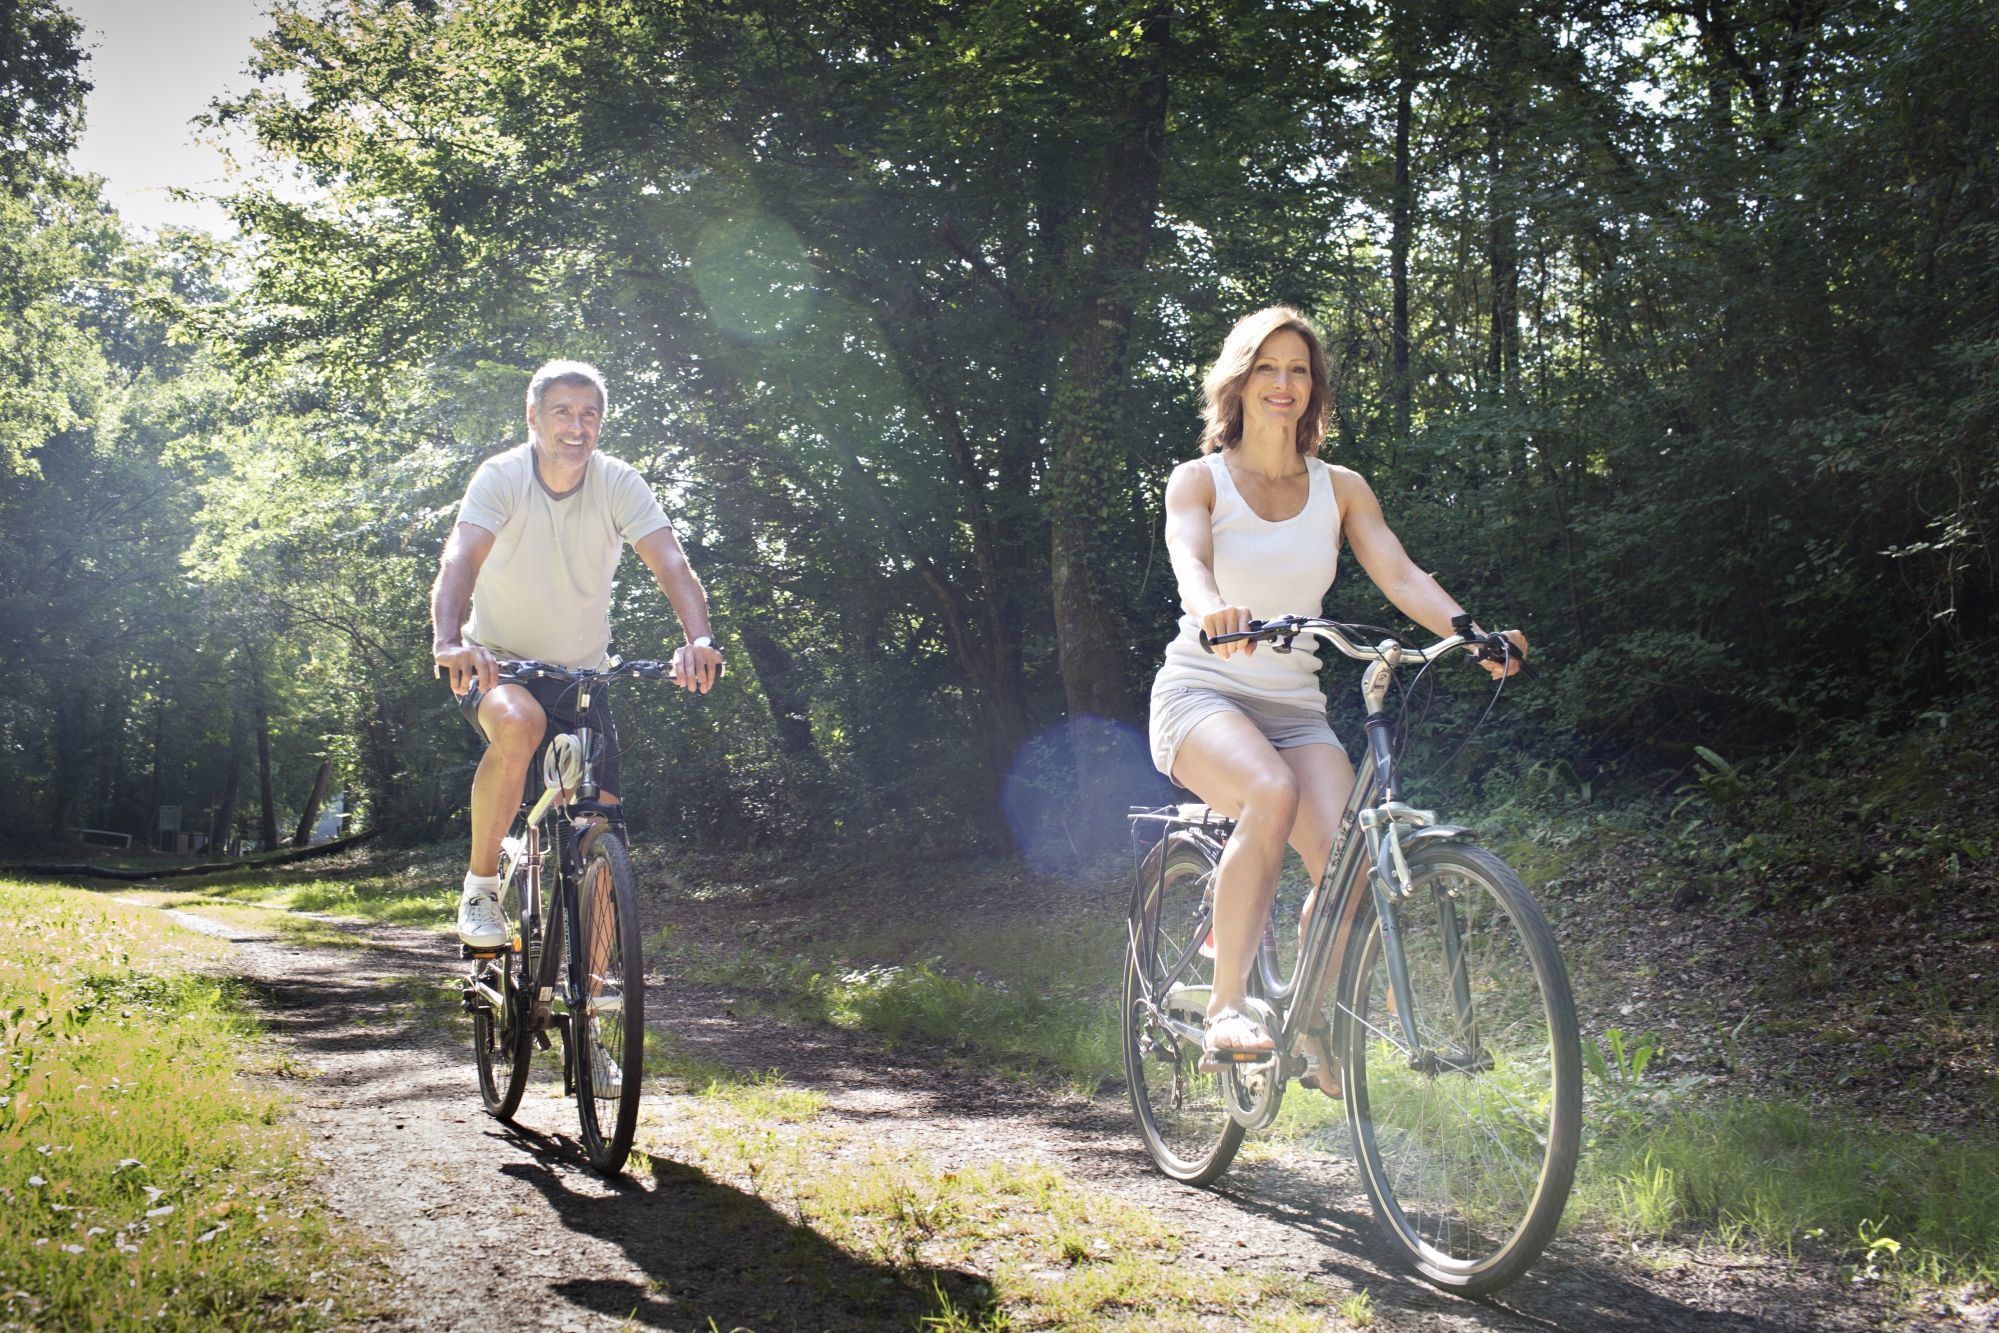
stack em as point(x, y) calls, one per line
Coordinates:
point(469, 665)
point(1514, 660)
point(696, 668)
point(1228, 620)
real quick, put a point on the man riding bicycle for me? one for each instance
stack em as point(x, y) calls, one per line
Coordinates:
point(531, 558)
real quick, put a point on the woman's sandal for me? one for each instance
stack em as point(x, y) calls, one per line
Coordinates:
point(1323, 1063)
point(1216, 1057)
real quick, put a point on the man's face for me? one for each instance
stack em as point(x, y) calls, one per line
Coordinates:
point(565, 426)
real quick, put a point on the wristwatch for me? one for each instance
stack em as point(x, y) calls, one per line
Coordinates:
point(705, 641)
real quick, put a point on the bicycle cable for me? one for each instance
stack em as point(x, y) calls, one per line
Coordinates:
point(1508, 654)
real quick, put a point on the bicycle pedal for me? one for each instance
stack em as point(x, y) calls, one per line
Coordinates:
point(484, 955)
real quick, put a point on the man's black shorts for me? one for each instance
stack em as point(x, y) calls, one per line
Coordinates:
point(558, 699)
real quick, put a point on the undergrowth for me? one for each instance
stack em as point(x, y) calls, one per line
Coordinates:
point(142, 1180)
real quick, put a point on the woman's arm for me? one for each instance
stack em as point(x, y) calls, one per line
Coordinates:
point(1380, 553)
point(1190, 543)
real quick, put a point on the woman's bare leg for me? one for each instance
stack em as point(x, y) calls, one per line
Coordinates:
point(1227, 762)
point(1325, 777)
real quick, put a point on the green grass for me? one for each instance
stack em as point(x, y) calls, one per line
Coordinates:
point(1776, 1173)
point(1029, 1002)
point(142, 1179)
point(417, 889)
point(1051, 1252)
point(1012, 1021)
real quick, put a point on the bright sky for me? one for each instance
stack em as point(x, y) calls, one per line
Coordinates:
point(154, 66)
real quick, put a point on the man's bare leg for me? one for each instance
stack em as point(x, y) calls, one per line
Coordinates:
point(513, 723)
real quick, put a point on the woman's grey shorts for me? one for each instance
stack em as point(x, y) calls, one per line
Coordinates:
point(1177, 708)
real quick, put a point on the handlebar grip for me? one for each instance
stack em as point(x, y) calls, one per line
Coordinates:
point(1256, 627)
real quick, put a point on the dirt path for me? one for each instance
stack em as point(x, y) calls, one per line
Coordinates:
point(475, 1217)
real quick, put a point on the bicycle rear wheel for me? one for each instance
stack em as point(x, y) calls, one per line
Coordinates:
point(1468, 1141)
point(607, 1009)
point(502, 1045)
point(1182, 1115)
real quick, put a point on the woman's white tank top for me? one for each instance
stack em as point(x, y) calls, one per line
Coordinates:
point(1274, 569)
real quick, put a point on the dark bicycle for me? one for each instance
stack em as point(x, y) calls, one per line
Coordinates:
point(1450, 1011)
point(566, 877)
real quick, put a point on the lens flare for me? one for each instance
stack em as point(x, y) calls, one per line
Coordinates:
point(754, 276)
point(1066, 795)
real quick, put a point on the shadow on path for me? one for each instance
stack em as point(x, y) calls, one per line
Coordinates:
point(707, 1251)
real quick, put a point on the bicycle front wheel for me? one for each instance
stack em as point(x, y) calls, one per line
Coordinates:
point(607, 1009)
point(502, 1045)
point(1466, 1137)
point(1181, 1112)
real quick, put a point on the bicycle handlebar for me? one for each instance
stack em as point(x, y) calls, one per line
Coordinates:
point(1341, 636)
point(519, 669)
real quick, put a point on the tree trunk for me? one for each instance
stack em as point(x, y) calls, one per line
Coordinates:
point(154, 788)
point(111, 759)
point(222, 831)
point(303, 837)
point(1398, 249)
point(268, 830)
point(1503, 221)
point(1089, 464)
point(68, 760)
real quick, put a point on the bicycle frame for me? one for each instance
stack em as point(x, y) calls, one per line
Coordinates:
point(1382, 819)
point(574, 812)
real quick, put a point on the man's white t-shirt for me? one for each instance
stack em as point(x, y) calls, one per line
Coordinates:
point(544, 591)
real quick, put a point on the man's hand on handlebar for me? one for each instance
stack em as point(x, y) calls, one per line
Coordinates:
point(696, 668)
point(469, 665)
point(1228, 620)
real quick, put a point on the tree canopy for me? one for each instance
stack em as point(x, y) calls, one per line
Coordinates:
point(1669, 333)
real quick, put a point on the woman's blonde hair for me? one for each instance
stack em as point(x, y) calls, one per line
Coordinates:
point(1221, 391)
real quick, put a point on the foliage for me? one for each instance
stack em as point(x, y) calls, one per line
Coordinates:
point(1667, 335)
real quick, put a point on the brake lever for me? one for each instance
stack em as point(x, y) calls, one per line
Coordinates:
point(1502, 656)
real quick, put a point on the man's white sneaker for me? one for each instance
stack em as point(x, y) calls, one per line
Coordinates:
point(481, 923)
point(606, 1079)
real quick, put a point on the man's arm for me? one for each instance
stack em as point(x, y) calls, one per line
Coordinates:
point(465, 550)
point(694, 668)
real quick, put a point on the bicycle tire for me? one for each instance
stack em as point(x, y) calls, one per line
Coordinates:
point(502, 1044)
point(607, 1009)
point(1182, 1115)
point(1468, 1163)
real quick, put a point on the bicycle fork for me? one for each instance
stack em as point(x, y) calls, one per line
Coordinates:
point(1392, 885)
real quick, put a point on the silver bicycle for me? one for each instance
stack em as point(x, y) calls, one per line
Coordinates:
point(1450, 1011)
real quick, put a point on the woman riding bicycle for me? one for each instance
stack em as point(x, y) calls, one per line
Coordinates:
point(1254, 527)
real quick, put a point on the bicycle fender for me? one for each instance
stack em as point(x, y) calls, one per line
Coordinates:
point(1437, 833)
point(587, 837)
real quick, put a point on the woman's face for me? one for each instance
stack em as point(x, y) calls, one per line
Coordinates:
point(1280, 381)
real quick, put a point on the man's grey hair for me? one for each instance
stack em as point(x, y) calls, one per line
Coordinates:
point(568, 372)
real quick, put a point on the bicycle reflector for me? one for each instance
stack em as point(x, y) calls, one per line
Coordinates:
point(562, 763)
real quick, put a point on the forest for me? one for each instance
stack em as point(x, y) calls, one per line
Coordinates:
point(1666, 331)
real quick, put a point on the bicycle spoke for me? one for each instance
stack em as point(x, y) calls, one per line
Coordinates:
point(1180, 1111)
point(1470, 1162)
